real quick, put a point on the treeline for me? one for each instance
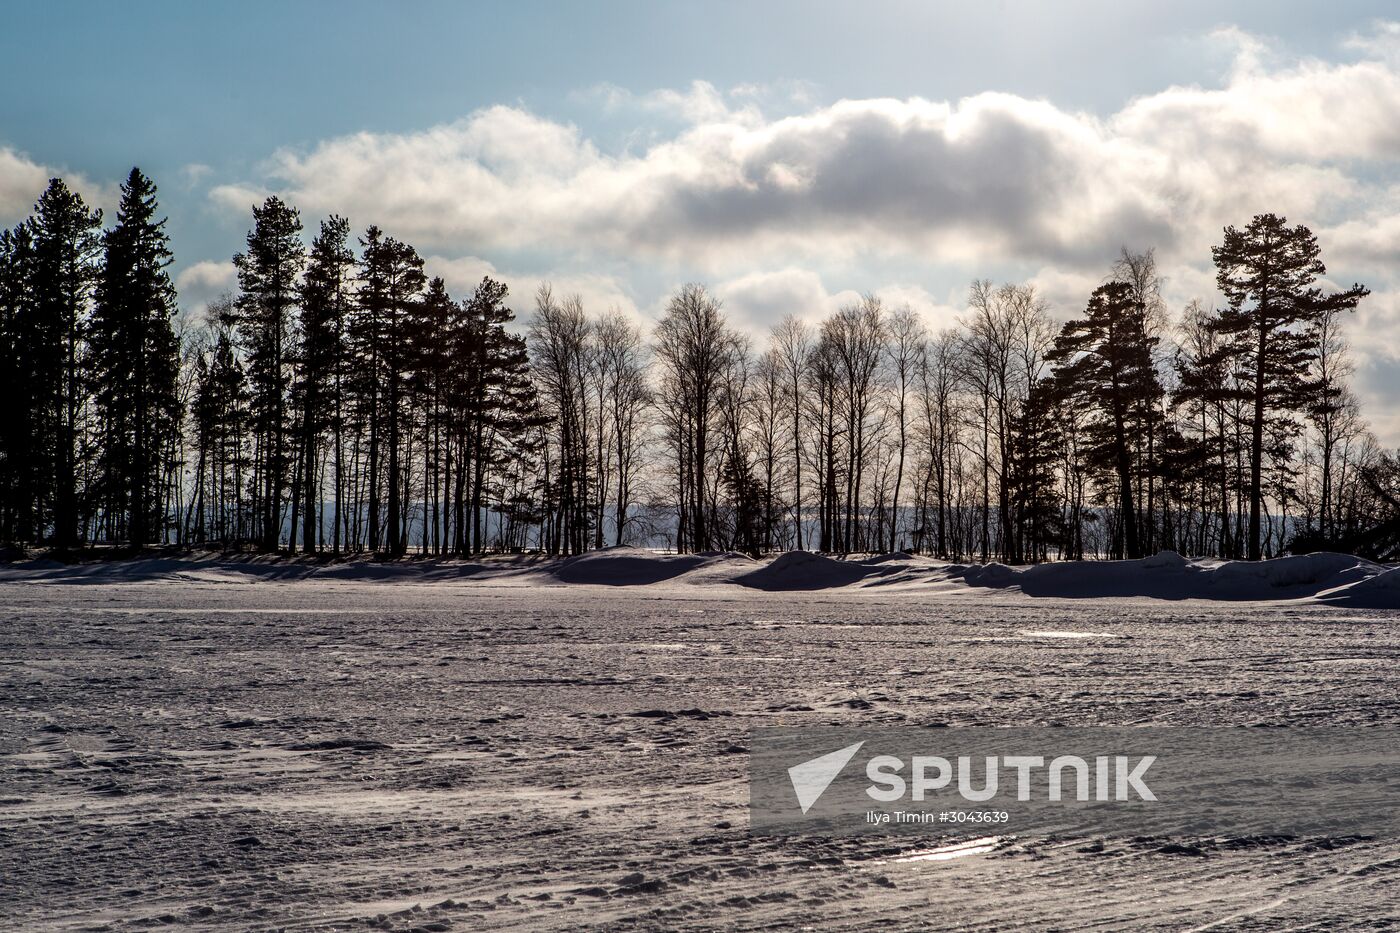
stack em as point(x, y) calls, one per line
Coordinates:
point(342, 401)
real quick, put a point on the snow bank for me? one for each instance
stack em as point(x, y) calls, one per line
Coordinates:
point(217, 568)
point(1333, 579)
point(1168, 575)
point(1381, 591)
point(155, 569)
point(626, 566)
point(1309, 573)
point(803, 570)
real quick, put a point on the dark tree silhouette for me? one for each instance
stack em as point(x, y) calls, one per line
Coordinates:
point(353, 402)
point(20, 486)
point(694, 345)
point(392, 281)
point(220, 419)
point(326, 303)
point(64, 275)
point(265, 321)
point(1104, 360)
point(135, 360)
point(1268, 273)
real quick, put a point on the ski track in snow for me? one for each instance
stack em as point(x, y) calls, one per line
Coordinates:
point(319, 754)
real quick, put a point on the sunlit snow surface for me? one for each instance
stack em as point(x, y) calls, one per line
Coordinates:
point(439, 749)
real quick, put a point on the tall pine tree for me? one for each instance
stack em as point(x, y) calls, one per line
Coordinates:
point(135, 365)
point(1105, 360)
point(495, 398)
point(391, 280)
point(325, 297)
point(266, 319)
point(65, 270)
point(1268, 273)
point(18, 477)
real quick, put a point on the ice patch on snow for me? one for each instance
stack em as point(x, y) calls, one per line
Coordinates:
point(1058, 634)
point(955, 850)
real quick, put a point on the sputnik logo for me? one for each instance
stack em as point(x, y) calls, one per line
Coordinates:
point(811, 778)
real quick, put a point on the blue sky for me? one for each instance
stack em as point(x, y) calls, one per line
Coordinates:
point(790, 154)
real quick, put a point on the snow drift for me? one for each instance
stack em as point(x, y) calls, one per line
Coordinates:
point(1327, 578)
point(1168, 575)
point(625, 566)
point(803, 570)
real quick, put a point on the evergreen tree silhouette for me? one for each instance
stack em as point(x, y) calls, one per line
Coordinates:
point(134, 368)
point(1268, 273)
point(64, 275)
point(265, 321)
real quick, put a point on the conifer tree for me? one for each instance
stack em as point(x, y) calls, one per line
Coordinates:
point(265, 321)
point(18, 477)
point(135, 365)
point(1268, 273)
point(1105, 359)
point(429, 324)
point(392, 279)
point(220, 415)
point(1031, 478)
point(326, 295)
point(64, 274)
point(503, 403)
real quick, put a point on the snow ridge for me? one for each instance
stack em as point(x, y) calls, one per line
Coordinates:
point(1325, 577)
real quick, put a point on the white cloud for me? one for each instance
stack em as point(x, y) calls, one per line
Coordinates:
point(994, 174)
point(201, 282)
point(21, 183)
point(757, 301)
point(206, 275)
point(698, 104)
point(938, 314)
point(991, 178)
point(1382, 41)
point(194, 173)
point(22, 180)
point(770, 196)
point(599, 292)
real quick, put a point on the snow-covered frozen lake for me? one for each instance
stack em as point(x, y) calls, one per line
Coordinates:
point(210, 751)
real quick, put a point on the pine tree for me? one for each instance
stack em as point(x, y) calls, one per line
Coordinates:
point(135, 365)
point(392, 279)
point(498, 395)
point(1204, 397)
point(265, 320)
point(1268, 273)
point(1031, 478)
point(1105, 360)
point(428, 326)
point(64, 275)
point(18, 476)
point(220, 413)
point(326, 303)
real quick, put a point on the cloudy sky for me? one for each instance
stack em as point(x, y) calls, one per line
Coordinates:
point(790, 154)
